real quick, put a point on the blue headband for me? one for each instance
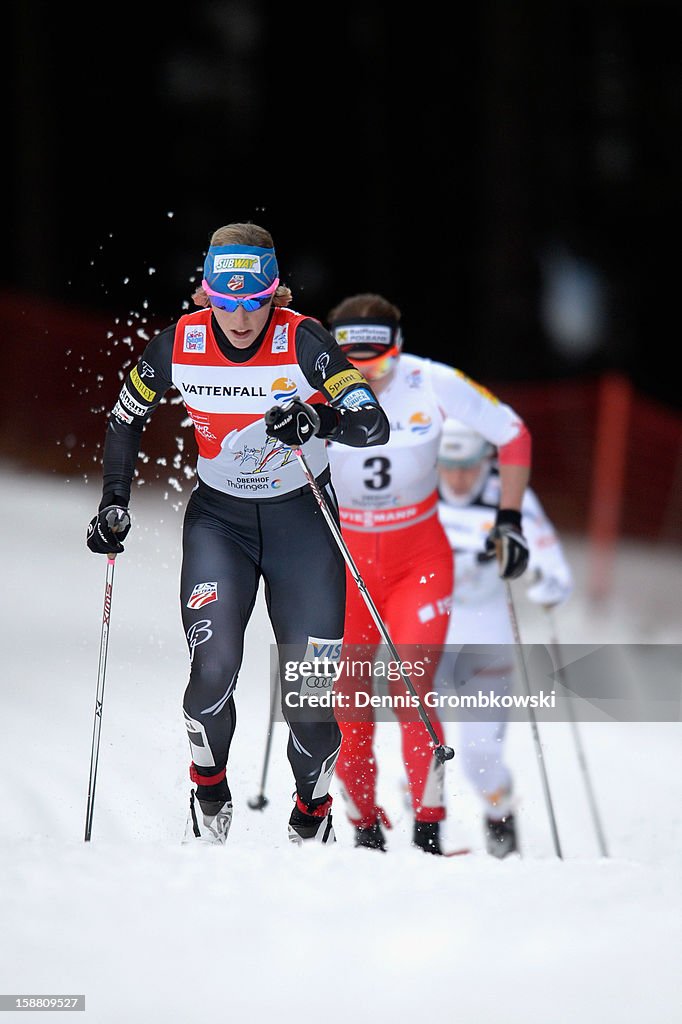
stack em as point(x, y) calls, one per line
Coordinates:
point(240, 269)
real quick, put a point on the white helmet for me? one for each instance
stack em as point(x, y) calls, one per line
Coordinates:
point(461, 446)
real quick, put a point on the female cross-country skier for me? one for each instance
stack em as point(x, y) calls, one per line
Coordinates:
point(252, 515)
point(389, 518)
point(480, 632)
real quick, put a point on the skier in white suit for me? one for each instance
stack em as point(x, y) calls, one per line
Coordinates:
point(469, 490)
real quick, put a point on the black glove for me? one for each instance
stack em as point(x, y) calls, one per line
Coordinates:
point(506, 541)
point(292, 424)
point(107, 529)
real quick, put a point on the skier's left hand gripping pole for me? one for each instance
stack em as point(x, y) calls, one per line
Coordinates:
point(441, 752)
point(99, 699)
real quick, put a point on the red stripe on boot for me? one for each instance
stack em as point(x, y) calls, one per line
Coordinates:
point(205, 780)
point(318, 812)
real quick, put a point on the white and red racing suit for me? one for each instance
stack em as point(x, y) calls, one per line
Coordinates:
point(388, 501)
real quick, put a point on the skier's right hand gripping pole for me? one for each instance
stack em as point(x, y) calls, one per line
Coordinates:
point(108, 529)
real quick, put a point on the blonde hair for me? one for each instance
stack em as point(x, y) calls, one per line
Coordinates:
point(366, 304)
point(244, 234)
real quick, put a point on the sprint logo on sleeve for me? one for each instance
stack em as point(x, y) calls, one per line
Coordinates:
point(340, 381)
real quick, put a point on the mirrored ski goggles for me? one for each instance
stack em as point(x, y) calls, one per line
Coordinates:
point(372, 366)
point(231, 303)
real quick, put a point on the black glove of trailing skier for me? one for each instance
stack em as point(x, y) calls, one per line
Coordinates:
point(292, 424)
point(107, 529)
point(506, 541)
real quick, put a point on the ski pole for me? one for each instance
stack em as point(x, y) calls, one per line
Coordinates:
point(99, 699)
point(257, 803)
point(582, 760)
point(441, 752)
point(523, 672)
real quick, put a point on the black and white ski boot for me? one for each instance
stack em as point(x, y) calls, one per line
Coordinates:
point(500, 836)
point(426, 836)
point(371, 838)
point(317, 827)
point(208, 821)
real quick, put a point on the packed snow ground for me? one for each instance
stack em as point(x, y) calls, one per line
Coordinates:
point(150, 930)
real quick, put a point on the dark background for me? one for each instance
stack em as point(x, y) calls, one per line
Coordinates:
point(433, 162)
point(508, 173)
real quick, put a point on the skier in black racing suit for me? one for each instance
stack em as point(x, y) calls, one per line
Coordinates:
point(251, 515)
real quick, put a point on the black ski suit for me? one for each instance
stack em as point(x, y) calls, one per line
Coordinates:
point(251, 514)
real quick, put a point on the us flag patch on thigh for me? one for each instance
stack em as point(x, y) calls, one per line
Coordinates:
point(203, 593)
